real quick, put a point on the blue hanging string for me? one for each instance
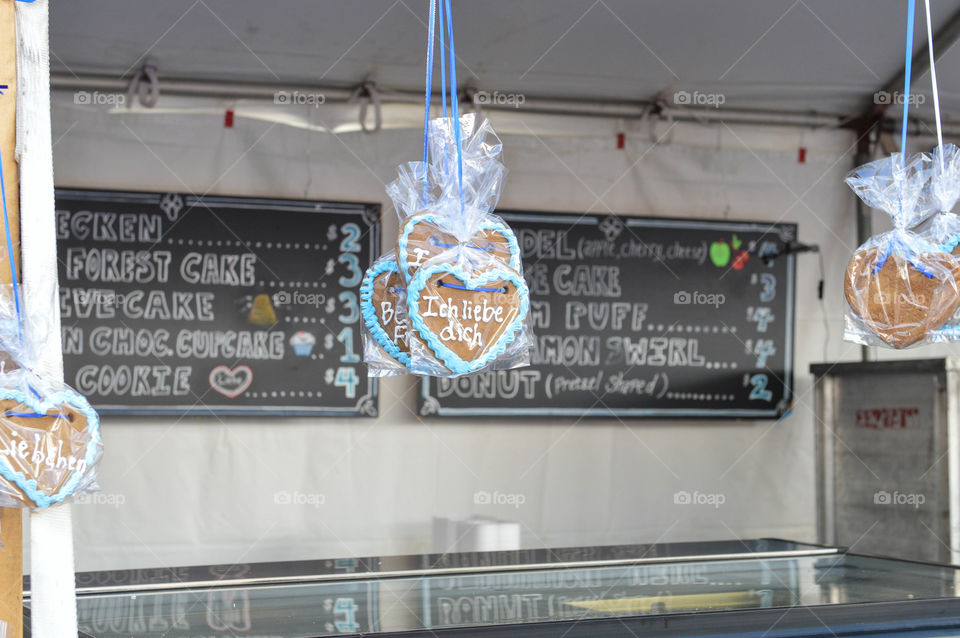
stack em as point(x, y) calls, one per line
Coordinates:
point(443, 69)
point(446, 17)
point(454, 103)
point(907, 68)
point(441, 18)
point(13, 276)
point(895, 243)
point(11, 256)
point(427, 97)
point(446, 21)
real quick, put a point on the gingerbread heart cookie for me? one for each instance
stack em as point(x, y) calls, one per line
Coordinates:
point(467, 318)
point(902, 300)
point(382, 303)
point(48, 445)
point(423, 236)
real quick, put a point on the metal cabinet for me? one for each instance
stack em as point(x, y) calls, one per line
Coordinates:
point(887, 480)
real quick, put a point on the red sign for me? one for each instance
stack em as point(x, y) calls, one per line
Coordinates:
point(888, 418)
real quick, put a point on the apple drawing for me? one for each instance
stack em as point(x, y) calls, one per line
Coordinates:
point(740, 260)
point(720, 253)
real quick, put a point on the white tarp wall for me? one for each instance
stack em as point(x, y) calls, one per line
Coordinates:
point(202, 490)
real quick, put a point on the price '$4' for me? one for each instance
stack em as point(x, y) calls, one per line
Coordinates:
point(343, 377)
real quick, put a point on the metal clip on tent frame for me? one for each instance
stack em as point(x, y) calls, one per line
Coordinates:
point(470, 95)
point(145, 85)
point(364, 95)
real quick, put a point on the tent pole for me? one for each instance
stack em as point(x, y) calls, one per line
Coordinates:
point(864, 128)
point(620, 109)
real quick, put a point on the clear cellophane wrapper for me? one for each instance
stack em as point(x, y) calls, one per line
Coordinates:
point(49, 434)
point(900, 287)
point(943, 228)
point(468, 314)
point(455, 257)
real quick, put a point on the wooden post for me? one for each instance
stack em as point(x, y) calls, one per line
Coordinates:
point(11, 519)
point(11, 570)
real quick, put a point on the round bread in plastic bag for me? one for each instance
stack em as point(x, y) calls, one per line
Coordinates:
point(900, 297)
point(900, 287)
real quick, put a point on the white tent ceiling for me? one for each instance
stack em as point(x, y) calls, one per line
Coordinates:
point(786, 55)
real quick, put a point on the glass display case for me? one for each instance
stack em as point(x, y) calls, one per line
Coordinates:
point(770, 587)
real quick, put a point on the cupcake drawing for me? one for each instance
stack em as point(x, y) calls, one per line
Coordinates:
point(302, 343)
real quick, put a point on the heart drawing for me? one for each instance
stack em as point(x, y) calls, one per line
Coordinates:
point(231, 383)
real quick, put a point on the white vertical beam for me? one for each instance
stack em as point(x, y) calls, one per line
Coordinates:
point(53, 602)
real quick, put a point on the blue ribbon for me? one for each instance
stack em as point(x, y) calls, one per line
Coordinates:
point(897, 243)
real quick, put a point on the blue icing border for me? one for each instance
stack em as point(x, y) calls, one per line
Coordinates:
point(951, 244)
point(370, 313)
point(29, 486)
point(448, 356)
point(438, 219)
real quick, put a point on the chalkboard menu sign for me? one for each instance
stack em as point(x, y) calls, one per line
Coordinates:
point(644, 317)
point(175, 304)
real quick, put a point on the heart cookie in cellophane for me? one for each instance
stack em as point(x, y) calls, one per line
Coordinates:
point(383, 305)
point(427, 234)
point(49, 441)
point(467, 314)
point(900, 299)
point(457, 268)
